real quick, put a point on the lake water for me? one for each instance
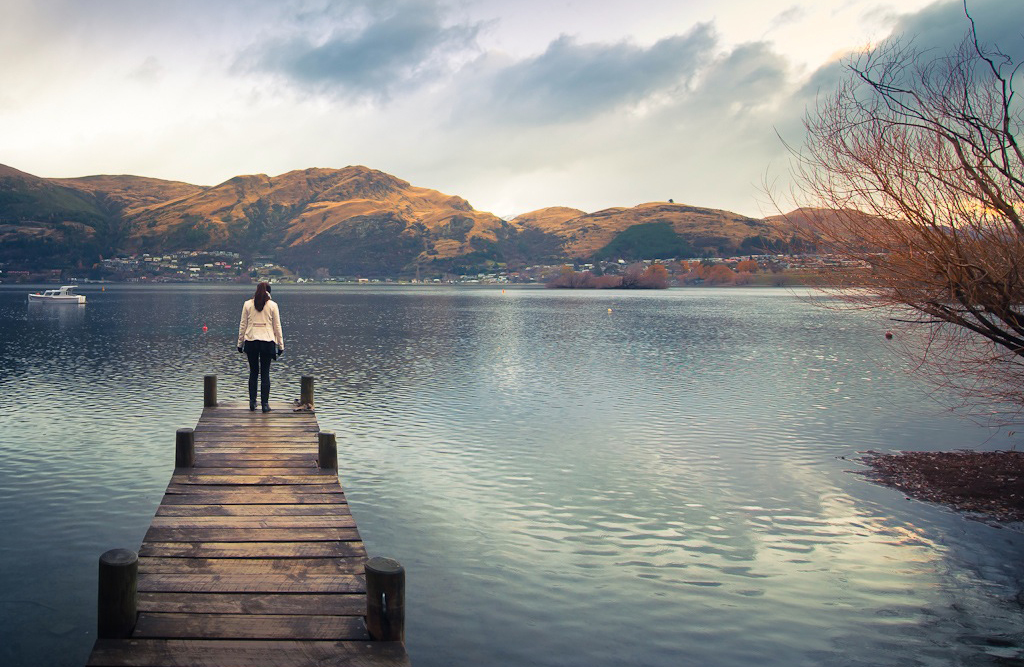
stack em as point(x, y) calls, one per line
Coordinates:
point(570, 478)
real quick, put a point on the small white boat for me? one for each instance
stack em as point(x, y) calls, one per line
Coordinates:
point(65, 294)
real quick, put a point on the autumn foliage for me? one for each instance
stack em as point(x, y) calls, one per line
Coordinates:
point(917, 162)
point(636, 276)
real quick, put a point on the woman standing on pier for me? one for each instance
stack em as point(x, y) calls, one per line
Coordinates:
point(260, 337)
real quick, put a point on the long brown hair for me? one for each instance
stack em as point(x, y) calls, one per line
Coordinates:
point(262, 295)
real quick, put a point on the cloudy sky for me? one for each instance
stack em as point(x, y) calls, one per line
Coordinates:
point(513, 105)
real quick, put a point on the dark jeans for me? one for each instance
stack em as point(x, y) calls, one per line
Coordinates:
point(260, 354)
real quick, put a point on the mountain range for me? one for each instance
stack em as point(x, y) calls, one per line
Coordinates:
point(349, 221)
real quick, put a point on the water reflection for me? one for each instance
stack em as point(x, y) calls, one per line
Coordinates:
point(63, 314)
point(656, 484)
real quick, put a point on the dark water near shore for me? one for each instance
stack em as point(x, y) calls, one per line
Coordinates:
point(658, 484)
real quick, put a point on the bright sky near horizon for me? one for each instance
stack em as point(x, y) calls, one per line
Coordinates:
point(512, 105)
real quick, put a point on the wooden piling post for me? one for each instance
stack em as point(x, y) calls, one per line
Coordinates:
point(306, 396)
point(327, 450)
point(185, 448)
point(385, 599)
point(117, 603)
point(209, 391)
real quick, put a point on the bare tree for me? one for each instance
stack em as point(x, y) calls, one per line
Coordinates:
point(915, 167)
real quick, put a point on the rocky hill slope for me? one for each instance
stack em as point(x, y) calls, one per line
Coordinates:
point(350, 220)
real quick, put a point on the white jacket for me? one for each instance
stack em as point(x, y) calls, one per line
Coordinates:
point(261, 324)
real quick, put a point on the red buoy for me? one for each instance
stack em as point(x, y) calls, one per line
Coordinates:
point(204, 327)
point(888, 335)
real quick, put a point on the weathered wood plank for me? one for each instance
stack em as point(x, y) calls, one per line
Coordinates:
point(257, 453)
point(241, 653)
point(259, 430)
point(204, 460)
point(293, 566)
point(319, 521)
point(241, 626)
point(277, 470)
point(251, 534)
point(252, 510)
point(255, 480)
point(255, 491)
point(247, 583)
point(253, 549)
point(334, 604)
point(223, 498)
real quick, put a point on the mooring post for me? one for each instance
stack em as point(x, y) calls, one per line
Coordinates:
point(385, 599)
point(306, 396)
point(117, 604)
point(327, 450)
point(185, 448)
point(209, 391)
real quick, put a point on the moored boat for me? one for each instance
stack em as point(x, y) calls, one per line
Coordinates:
point(66, 294)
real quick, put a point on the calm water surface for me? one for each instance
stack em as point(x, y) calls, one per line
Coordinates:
point(569, 478)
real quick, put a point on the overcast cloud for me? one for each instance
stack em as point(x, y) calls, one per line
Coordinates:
point(399, 46)
point(514, 106)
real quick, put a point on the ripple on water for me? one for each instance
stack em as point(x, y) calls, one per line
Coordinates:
point(564, 487)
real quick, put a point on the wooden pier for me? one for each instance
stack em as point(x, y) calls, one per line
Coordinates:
point(253, 557)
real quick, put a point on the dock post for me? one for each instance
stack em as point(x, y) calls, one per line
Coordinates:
point(306, 396)
point(185, 448)
point(385, 599)
point(117, 603)
point(327, 450)
point(209, 391)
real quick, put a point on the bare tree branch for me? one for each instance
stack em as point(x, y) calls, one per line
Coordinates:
point(914, 165)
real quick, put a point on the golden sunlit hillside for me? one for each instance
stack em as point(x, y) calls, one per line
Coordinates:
point(705, 229)
point(345, 221)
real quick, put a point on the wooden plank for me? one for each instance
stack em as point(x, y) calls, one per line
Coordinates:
point(289, 471)
point(260, 480)
point(241, 626)
point(224, 498)
point(268, 491)
point(251, 534)
point(256, 491)
point(204, 460)
point(262, 453)
point(319, 521)
point(242, 653)
point(294, 566)
point(256, 416)
point(252, 510)
point(253, 549)
point(243, 440)
point(267, 429)
point(247, 583)
point(335, 604)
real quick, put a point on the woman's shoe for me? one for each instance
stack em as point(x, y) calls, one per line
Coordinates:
point(252, 405)
point(266, 408)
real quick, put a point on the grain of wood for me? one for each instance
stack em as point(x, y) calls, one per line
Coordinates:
point(254, 549)
point(335, 604)
point(247, 583)
point(252, 510)
point(241, 653)
point(295, 566)
point(242, 626)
